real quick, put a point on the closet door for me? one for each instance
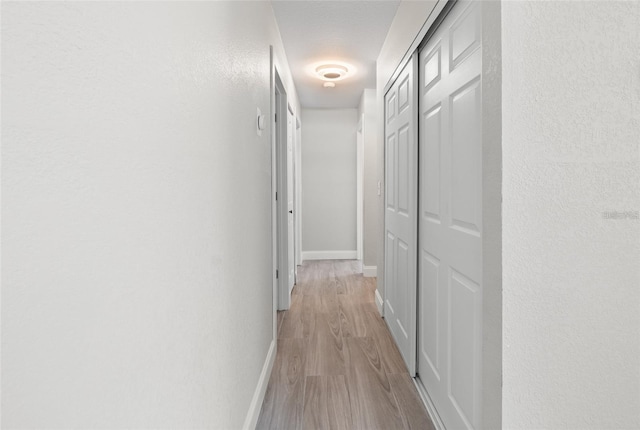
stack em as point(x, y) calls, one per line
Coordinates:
point(450, 224)
point(401, 162)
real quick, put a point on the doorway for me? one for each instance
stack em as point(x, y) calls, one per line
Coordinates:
point(291, 263)
point(282, 144)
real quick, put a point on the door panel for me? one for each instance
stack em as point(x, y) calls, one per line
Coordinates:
point(430, 170)
point(403, 93)
point(464, 35)
point(401, 213)
point(450, 223)
point(430, 313)
point(401, 290)
point(462, 356)
point(391, 105)
point(465, 155)
point(403, 171)
point(390, 181)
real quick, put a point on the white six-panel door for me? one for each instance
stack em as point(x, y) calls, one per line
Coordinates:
point(401, 163)
point(450, 223)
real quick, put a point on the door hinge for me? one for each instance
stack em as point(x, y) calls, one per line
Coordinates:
point(276, 273)
point(275, 117)
point(276, 195)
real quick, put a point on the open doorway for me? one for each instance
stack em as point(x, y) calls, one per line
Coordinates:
point(283, 225)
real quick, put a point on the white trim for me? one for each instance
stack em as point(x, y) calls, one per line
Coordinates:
point(258, 395)
point(379, 303)
point(369, 271)
point(274, 187)
point(290, 187)
point(329, 255)
point(297, 211)
point(360, 188)
point(280, 172)
point(428, 404)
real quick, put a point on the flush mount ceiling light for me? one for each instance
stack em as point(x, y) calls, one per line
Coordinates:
point(329, 85)
point(332, 72)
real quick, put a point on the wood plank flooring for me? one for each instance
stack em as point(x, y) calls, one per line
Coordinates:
point(337, 366)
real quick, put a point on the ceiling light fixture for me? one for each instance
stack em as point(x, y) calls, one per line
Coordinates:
point(329, 85)
point(332, 72)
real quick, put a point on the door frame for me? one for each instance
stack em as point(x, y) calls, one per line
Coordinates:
point(274, 187)
point(297, 212)
point(360, 189)
point(291, 258)
point(282, 298)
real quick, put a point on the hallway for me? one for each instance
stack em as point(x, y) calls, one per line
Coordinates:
point(337, 365)
point(146, 201)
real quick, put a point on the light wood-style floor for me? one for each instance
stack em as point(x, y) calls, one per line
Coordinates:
point(337, 366)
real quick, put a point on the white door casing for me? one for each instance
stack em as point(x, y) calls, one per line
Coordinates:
point(400, 244)
point(359, 189)
point(282, 217)
point(450, 218)
point(297, 211)
point(274, 189)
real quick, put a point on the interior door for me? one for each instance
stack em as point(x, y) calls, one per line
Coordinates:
point(450, 224)
point(291, 265)
point(401, 213)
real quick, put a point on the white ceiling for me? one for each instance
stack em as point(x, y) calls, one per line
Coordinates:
point(348, 31)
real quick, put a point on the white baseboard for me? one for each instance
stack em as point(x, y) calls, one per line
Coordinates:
point(251, 419)
point(369, 271)
point(379, 303)
point(329, 255)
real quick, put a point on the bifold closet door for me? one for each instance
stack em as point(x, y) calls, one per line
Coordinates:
point(450, 224)
point(401, 162)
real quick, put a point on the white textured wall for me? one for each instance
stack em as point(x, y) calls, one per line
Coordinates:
point(371, 234)
point(136, 213)
point(571, 121)
point(329, 179)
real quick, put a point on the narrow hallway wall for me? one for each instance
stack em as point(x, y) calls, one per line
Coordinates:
point(136, 212)
point(329, 183)
point(368, 108)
